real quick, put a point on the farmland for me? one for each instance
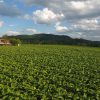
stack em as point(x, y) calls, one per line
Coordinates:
point(49, 72)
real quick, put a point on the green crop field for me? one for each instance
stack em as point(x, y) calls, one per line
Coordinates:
point(49, 72)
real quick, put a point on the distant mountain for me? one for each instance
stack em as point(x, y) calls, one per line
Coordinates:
point(54, 39)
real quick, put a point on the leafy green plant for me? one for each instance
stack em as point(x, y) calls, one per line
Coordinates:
point(49, 72)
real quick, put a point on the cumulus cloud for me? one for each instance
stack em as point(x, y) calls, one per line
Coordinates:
point(61, 29)
point(9, 10)
point(46, 16)
point(12, 33)
point(31, 31)
point(86, 24)
point(81, 16)
point(28, 31)
point(79, 5)
point(1, 23)
point(72, 9)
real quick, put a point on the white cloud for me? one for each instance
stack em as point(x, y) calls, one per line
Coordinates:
point(61, 29)
point(76, 35)
point(78, 5)
point(1, 23)
point(82, 15)
point(31, 30)
point(46, 16)
point(72, 9)
point(87, 24)
point(14, 33)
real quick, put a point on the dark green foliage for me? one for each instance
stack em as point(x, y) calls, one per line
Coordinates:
point(54, 39)
point(49, 73)
point(15, 41)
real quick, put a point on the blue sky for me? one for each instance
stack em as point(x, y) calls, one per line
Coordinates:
point(75, 18)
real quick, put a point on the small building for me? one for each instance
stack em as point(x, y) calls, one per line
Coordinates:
point(4, 42)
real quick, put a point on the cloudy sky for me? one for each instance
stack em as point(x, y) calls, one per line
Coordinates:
point(75, 18)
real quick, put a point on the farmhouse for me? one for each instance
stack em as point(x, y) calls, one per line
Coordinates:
point(4, 42)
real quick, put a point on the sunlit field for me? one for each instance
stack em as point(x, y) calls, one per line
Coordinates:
point(49, 72)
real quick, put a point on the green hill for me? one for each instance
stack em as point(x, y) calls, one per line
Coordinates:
point(54, 39)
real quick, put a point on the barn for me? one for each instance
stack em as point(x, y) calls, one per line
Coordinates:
point(4, 42)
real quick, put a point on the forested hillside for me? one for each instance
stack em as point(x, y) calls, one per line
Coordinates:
point(53, 39)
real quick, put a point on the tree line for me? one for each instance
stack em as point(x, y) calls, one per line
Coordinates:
point(51, 39)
